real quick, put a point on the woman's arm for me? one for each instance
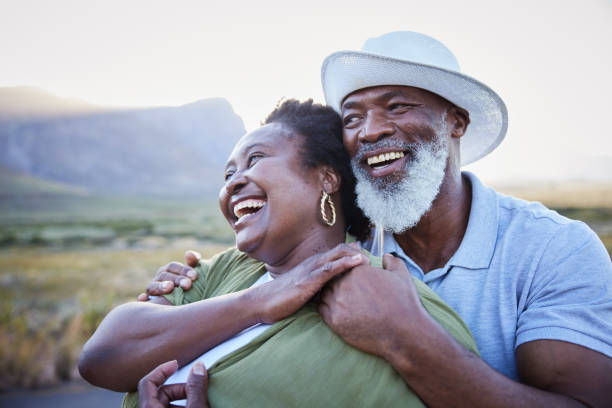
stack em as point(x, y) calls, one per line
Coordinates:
point(136, 337)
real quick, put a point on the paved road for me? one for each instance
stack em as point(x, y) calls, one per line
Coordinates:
point(77, 394)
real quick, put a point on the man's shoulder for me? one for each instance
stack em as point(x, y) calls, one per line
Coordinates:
point(529, 226)
point(537, 230)
point(532, 216)
point(511, 207)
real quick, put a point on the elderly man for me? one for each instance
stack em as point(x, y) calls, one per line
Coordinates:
point(535, 288)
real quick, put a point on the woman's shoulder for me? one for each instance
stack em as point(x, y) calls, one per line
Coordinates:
point(229, 260)
point(225, 272)
point(229, 271)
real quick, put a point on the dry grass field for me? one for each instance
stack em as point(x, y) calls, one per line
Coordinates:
point(62, 269)
point(563, 195)
point(52, 301)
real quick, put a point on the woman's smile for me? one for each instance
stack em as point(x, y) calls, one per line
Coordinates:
point(246, 208)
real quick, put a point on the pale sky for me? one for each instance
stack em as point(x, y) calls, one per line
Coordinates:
point(549, 60)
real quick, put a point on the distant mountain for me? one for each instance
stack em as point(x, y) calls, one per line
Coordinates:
point(23, 102)
point(15, 183)
point(165, 150)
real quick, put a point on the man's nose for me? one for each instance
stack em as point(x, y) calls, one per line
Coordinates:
point(375, 128)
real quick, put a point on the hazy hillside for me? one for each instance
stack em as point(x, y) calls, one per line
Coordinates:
point(153, 150)
point(23, 102)
point(13, 182)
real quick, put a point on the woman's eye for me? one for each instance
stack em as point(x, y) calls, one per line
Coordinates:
point(350, 120)
point(253, 159)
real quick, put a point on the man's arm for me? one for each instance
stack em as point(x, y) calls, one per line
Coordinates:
point(444, 374)
point(135, 337)
point(441, 371)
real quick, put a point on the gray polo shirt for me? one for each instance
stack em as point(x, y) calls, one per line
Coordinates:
point(523, 273)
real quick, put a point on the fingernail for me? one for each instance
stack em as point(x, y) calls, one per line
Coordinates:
point(356, 257)
point(198, 368)
point(191, 274)
point(184, 283)
point(167, 285)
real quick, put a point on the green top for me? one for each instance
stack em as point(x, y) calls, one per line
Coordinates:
point(299, 361)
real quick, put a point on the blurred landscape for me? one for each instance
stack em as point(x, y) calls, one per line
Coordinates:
point(93, 200)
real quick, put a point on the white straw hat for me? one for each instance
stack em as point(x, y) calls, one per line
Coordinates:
point(413, 59)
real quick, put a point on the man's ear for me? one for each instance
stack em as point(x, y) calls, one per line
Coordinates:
point(460, 119)
point(330, 179)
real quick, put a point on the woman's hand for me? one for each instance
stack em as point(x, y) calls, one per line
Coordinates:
point(290, 291)
point(151, 393)
point(171, 275)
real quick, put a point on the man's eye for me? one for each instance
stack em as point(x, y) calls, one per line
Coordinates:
point(401, 107)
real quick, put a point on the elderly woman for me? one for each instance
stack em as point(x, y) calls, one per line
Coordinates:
point(289, 197)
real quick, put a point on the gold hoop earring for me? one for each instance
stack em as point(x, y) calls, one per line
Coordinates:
point(327, 198)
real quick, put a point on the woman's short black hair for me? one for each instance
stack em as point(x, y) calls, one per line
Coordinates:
point(321, 129)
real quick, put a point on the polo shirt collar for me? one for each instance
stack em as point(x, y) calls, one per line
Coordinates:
point(478, 243)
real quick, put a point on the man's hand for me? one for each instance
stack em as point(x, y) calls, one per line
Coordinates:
point(378, 311)
point(171, 275)
point(291, 290)
point(151, 393)
point(360, 306)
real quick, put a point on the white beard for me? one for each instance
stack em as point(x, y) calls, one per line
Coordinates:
point(398, 202)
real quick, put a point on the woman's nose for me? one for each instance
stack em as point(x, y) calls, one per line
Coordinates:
point(235, 183)
point(375, 128)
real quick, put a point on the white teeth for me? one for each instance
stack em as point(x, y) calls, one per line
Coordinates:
point(250, 203)
point(385, 157)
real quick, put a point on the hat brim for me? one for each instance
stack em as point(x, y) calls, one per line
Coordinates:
point(345, 72)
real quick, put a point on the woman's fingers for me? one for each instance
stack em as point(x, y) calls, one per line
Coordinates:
point(290, 291)
point(197, 387)
point(340, 259)
point(340, 265)
point(149, 394)
point(172, 392)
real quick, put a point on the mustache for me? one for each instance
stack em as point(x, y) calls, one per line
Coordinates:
point(366, 149)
